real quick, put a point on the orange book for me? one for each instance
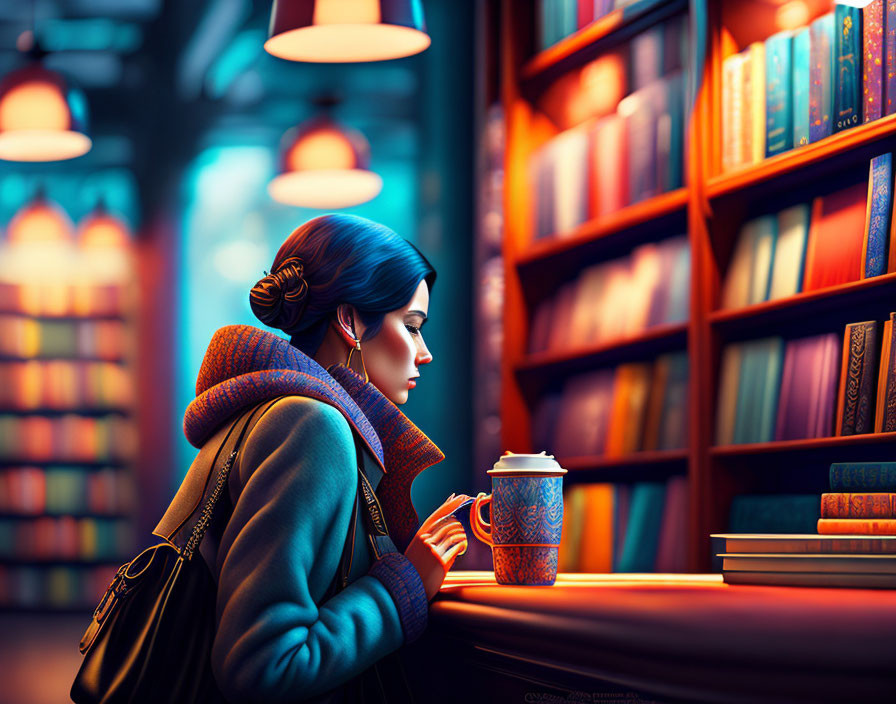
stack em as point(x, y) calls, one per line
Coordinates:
point(654, 411)
point(836, 238)
point(571, 533)
point(629, 406)
point(619, 411)
point(856, 526)
point(596, 551)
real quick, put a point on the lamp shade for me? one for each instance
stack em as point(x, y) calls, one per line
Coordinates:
point(41, 223)
point(41, 117)
point(341, 31)
point(324, 165)
point(104, 244)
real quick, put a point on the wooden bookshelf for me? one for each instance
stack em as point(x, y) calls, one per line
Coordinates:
point(711, 207)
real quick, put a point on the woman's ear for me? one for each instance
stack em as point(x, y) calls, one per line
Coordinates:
point(346, 323)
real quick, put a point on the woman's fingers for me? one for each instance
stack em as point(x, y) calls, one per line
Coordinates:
point(439, 530)
point(458, 548)
point(446, 508)
point(454, 537)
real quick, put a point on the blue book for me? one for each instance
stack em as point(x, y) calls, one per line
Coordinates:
point(821, 71)
point(772, 358)
point(671, 135)
point(778, 93)
point(877, 216)
point(863, 476)
point(848, 67)
point(890, 58)
point(774, 513)
point(801, 81)
point(746, 395)
point(643, 530)
point(764, 233)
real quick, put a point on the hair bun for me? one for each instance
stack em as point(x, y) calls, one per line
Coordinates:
point(280, 298)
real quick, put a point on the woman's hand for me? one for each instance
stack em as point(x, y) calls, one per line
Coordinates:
point(439, 541)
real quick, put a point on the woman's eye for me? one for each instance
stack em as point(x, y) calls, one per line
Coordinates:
point(413, 329)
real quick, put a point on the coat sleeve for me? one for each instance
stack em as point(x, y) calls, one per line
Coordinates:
point(279, 553)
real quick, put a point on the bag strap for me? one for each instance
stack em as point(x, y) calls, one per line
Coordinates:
point(248, 421)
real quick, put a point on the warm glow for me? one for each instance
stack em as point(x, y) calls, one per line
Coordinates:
point(35, 123)
point(346, 12)
point(792, 15)
point(602, 86)
point(39, 223)
point(34, 106)
point(104, 232)
point(343, 43)
point(321, 149)
point(325, 189)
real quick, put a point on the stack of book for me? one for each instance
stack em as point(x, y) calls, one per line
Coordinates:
point(772, 390)
point(855, 545)
point(800, 86)
point(637, 527)
point(841, 237)
point(617, 299)
point(615, 412)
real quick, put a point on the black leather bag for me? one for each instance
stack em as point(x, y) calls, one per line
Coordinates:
point(151, 636)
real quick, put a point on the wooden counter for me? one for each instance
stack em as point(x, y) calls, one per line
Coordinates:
point(666, 638)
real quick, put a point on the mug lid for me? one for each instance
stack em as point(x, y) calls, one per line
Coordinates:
point(513, 463)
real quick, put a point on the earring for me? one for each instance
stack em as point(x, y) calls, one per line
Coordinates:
point(348, 362)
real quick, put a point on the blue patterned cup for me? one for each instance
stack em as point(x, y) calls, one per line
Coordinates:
point(526, 511)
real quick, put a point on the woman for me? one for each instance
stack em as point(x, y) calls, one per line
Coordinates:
point(347, 291)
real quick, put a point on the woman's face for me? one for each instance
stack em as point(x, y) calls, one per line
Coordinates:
point(393, 357)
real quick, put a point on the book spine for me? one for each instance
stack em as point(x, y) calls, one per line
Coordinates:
point(844, 505)
point(872, 59)
point(856, 526)
point(877, 216)
point(821, 106)
point(888, 422)
point(801, 82)
point(755, 108)
point(778, 94)
point(890, 58)
point(863, 476)
point(848, 73)
point(858, 414)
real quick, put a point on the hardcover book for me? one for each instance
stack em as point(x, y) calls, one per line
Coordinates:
point(877, 216)
point(872, 59)
point(836, 238)
point(848, 62)
point(890, 58)
point(801, 83)
point(642, 532)
point(885, 416)
point(778, 93)
point(809, 543)
point(806, 399)
point(857, 526)
point(773, 513)
point(858, 378)
point(844, 564)
point(847, 505)
point(755, 107)
point(863, 476)
point(790, 252)
point(822, 60)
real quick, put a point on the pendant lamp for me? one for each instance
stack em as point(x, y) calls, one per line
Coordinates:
point(104, 243)
point(342, 31)
point(324, 165)
point(41, 117)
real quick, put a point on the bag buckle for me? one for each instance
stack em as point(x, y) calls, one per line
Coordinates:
point(114, 591)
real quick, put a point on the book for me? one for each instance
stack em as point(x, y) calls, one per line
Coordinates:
point(672, 549)
point(807, 388)
point(763, 232)
point(736, 287)
point(733, 128)
point(596, 551)
point(673, 421)
point(801, 84)
point(758, 388)
point(774, 513)
point(863, 476)
point(610, 164)
point(856, 526)
point(885, 413)
point(778, 93)
point(872, 60)
point(808, 543)
point(836, 238)
point(642, 532)
point(647, 57)
point(848, 73)
point(812, 579)
point(729, 381)
point(850, 505)
point(642, 110)
point(756, 109)
point(858, 379)
point(822, 61)
point(790, 252)
point(621, 504)
point(571, 530)
point(890, 58)
point(877, 216)
point(843, 564)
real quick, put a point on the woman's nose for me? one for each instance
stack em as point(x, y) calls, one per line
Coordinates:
point(423, 354)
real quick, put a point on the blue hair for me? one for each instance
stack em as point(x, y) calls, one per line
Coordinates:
point(349, 259)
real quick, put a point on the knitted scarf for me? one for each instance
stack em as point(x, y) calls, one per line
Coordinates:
point(245, 365)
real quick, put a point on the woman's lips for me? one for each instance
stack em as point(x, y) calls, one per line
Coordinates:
point(411, 383)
